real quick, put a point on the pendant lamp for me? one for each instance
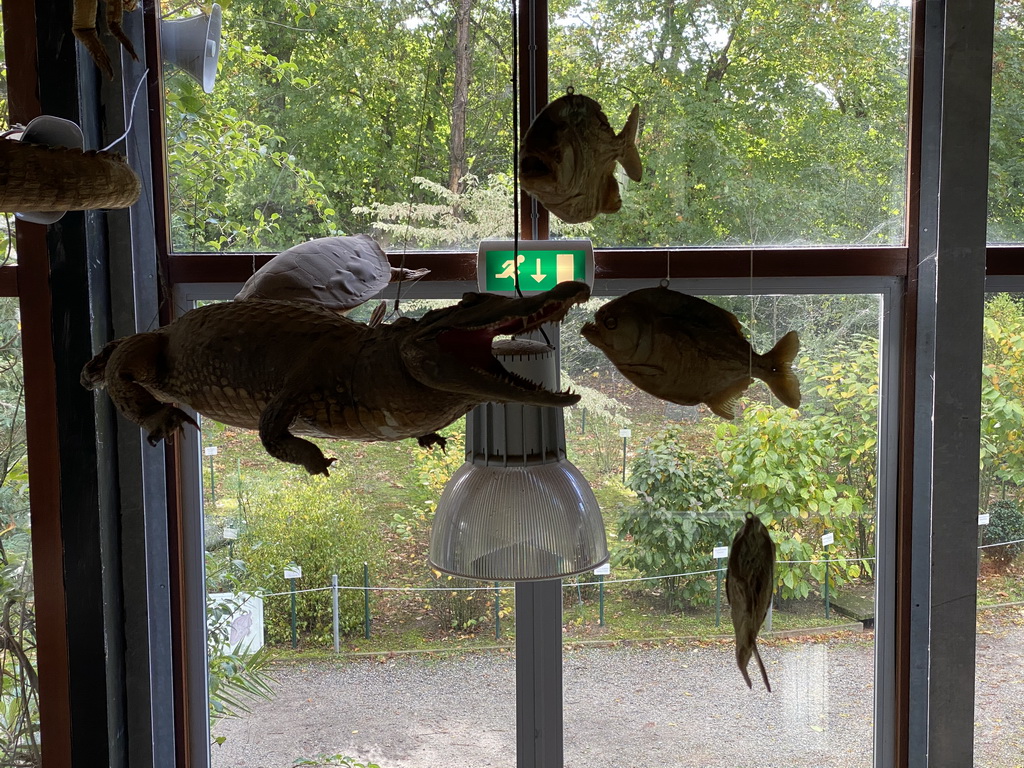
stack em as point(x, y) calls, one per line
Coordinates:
point(518, 510)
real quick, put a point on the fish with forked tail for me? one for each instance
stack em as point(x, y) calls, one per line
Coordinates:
point(568, 155)
point(688, 351)
point(749, 583)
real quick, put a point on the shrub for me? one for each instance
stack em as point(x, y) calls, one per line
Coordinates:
point(319, 527)
point(1006, 523)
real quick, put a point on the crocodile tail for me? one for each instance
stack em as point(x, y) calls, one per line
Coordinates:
point(94, 374)
point(779, 375)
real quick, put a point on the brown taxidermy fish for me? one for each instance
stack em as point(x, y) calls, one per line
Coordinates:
point(568, 155)
point(749, 583)
point(688, 351)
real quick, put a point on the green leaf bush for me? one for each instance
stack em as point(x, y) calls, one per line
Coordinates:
point(1006, 523)
point(320, 527)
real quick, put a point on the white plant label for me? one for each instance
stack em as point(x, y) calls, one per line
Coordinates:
point(827, 539)
point(603, 570)
point(983, 519)
point(210, 450)
point(625, 433)
point(719, 552)
point(293, 572)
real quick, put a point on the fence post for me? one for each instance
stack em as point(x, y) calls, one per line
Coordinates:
point(366, 600)
point(497, 612)
point(600, 592)
point(718, 588)
point(295, 637)
point(334, 608)
point(826, 584)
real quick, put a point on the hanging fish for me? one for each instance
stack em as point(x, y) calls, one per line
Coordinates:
point(568, 155)
point(338, 273)
point(688, 351)
point(749, 583)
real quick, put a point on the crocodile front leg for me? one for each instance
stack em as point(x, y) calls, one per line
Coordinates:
point(128, 368)
point(282, 444)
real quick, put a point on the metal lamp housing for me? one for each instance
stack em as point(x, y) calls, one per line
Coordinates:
point(518, 510)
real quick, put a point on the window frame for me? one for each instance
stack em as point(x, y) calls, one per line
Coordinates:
point(928, 726)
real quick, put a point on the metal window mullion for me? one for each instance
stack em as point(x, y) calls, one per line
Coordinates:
point(950, 261)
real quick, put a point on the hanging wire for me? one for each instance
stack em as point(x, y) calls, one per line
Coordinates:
point(416, 172)
point(131, 114)
point(515, 147)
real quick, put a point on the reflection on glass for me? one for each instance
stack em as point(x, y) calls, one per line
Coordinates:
point(1000, 639)
point(19, 681)
point(689, 479)
point(423, 673)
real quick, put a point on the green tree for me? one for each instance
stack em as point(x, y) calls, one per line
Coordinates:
point(1002, 396)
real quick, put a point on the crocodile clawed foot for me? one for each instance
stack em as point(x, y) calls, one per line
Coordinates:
point(163, 424)
point(433, 438)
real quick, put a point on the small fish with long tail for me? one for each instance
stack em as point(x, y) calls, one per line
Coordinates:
point(749, 584)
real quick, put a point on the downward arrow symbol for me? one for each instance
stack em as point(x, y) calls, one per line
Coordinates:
point(539, 276)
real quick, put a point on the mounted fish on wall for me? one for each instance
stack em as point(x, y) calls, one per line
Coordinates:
point(688, 351)
point(568, 156)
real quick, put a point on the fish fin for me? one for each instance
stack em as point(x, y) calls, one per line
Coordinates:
point(724, 403)
point(611, 200)
point(764, 674)
point(780, 378)
point(630, 159)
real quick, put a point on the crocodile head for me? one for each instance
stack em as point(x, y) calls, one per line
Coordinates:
point(449, 349)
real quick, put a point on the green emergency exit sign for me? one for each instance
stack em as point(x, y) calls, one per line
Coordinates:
point(540, 264)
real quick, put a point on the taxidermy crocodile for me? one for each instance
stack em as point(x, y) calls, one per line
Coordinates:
point(296, 368)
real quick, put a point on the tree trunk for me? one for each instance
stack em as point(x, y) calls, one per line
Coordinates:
point(460, 98)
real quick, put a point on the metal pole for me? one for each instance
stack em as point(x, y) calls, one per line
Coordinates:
point(366, 600)
point(497, 612)
point(583, 422)
point(718, 592)
point(600, 592)
point(295, 637)
point(213, 487)
point(826, 584)
point(624, 460)
point(539, 703)
point(334, 608)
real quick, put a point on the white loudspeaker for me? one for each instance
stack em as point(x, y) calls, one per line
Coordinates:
point(193, 45)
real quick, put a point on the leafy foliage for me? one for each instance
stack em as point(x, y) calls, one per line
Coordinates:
point(683, 514)
point(1006, 524)
point(312, 523)
point(1002, 395)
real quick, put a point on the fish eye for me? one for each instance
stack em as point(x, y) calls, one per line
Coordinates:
point(611, 323)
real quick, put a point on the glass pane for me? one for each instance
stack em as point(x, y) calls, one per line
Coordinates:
point(404, 689)
point(1000, 639)
point(674, 489)
point(19, 682)
point(762, 123)
point(392, 119)
point(1006, 154)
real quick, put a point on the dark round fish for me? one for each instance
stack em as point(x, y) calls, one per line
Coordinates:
point(688, 351)
point(568, 155)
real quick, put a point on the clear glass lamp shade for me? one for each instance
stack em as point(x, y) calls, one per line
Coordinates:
point(524, 523)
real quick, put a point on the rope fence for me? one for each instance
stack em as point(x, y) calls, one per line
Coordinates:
point(366, 588)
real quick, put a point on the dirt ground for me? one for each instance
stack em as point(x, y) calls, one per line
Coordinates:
point(662, 706)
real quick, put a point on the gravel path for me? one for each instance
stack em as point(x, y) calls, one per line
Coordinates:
point(652, 707)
